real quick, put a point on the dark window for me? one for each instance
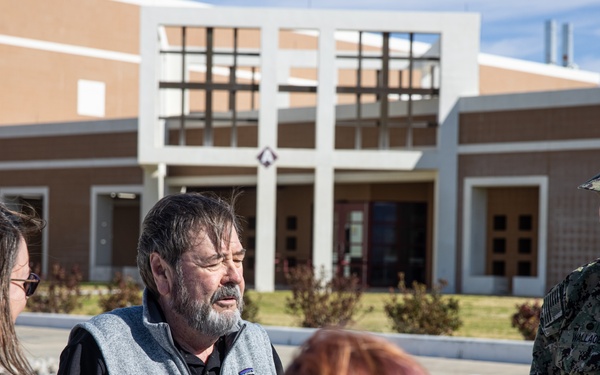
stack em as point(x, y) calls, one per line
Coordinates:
point(291, 223)
point(383, 233)
point(524, 245)
point(252, 222)
point(499, 222)
point(385, 212)
point(525, 222)
point(498, 268)
point(499, 245)
point(397, 243)
point(251, 243)
point(524, 269)
point(290, 243)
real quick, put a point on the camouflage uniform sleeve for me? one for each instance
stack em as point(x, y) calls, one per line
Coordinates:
point(546, 340)
point(568, 337)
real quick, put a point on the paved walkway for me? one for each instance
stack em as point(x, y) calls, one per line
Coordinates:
point(43, 347)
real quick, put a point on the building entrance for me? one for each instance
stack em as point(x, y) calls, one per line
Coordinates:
point(375, 241)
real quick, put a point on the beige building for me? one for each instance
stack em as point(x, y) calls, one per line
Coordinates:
point(368, 143)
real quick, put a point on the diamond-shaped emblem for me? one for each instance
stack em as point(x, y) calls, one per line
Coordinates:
point(267, 156)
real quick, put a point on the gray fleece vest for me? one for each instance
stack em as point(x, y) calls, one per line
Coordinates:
point(132, 344)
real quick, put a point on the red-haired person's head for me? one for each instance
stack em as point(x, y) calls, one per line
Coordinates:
point(341, 352)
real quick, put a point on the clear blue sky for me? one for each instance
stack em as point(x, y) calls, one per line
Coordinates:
point(510, 28)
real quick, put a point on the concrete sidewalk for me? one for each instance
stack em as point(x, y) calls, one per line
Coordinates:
point(43, 346)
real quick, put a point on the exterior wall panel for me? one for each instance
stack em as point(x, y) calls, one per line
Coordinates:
point(573, 232)
point(493, 80)
point(69, 206)
point(40, 86)
point(108, 25)
point(69, 147)
point(547, 124)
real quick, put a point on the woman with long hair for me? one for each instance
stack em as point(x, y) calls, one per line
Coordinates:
point(17, 283)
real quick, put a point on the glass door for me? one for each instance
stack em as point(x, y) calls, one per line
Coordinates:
point(398, 243)
point(350, 255)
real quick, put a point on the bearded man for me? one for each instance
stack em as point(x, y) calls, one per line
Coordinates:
point(191, 261)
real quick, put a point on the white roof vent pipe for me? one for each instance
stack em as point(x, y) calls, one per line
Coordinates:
point(567, 45)
point(550, 42)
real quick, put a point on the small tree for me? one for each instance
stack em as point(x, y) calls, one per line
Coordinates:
point(527, 319)
point(319, 302)
point(421, 312)
point(123, 291)
point(60, 294)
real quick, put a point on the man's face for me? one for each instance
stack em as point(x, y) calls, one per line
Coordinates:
point(209, 286)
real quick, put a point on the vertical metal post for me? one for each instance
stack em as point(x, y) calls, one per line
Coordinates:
point(208, 128)
point(252, 82)
point(232, 92)
point(358, 128)
point(182, 141)
point(409, 129)
point(400, 72)
point(384, 141)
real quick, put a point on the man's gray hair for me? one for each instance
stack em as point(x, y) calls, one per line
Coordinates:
point(176, 222)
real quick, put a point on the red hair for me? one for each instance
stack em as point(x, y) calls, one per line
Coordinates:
point(341, 352)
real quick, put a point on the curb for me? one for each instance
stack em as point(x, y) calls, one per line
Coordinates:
point(506, 351)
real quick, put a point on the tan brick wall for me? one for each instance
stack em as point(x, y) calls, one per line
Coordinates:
point(103, 24)
point(530, 125)
point(494, 80)
point(41, 86)
point(107, 145)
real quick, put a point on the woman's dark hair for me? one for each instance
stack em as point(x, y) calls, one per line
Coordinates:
point(15, 226)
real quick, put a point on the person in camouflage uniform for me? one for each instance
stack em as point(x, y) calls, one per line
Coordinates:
point(568, 337)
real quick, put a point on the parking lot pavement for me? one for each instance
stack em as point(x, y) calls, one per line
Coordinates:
point(45, 344)
point(447, 366)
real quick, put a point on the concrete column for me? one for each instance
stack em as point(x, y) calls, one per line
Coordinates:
point(154, 185)
point(325, 142)
point(445, 210)
point(459, 77)
point(266, 189)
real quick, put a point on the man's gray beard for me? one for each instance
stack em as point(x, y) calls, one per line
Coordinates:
point(201, 316)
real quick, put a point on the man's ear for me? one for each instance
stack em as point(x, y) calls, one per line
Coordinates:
point(162, 273)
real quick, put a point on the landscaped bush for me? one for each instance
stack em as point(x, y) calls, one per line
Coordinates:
point(60, 293)
point(320, 302)
point(123, 291)
point(527, 319)
point(250, 312)
point(420, 311)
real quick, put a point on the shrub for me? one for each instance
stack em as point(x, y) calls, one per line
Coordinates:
point(250, 312)
point(421, 312)
point(319, 302)
point(527, 319)
point(122, 292)
point(61, 293)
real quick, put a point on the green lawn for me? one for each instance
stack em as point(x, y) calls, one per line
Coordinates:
point(483, 316)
